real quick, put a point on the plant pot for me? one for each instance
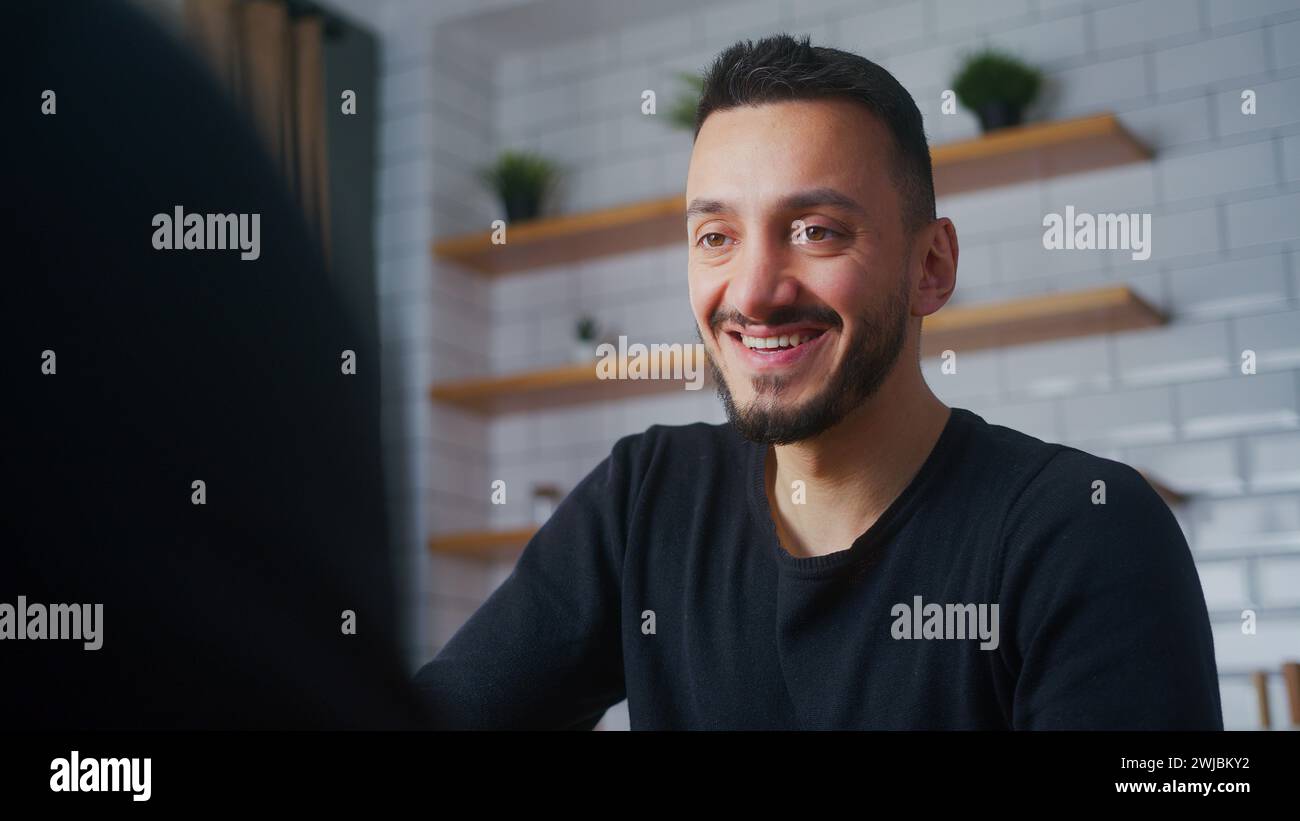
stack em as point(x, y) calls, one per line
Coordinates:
point(998, 114)
point(522, 206)
point(584, 350)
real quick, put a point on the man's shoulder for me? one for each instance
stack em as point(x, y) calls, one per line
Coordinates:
point(1023, 469)
point(1009, 459)
point(1087, 506)
point(1031, 466)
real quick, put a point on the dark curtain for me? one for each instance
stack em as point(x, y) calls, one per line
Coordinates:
point(270, 62)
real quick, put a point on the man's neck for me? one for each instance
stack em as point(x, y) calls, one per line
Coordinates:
point(852, 472)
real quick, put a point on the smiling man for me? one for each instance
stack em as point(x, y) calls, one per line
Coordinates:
point(846, 552)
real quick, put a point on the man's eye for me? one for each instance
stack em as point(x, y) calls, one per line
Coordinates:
point(814, 233)
point(713, 240)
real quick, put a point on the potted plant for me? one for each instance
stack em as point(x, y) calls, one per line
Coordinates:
point(682, 113)
point(584, 345)
point(997, 87)
point(521, 180)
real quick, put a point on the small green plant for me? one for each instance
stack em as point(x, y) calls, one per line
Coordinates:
point(997, 87)
point(521, 180)
point(682, 113)
point(584, 347)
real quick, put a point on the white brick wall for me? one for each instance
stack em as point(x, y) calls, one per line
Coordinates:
point(1223, 189)
point(1273, 461)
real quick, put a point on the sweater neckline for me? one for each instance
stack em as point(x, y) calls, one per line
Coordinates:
point(863, 548)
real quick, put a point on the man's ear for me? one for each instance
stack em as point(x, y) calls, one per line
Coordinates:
point(937, 252)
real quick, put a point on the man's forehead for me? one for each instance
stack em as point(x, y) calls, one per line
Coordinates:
point(825, 196)
point(778, 149)
point(785, 157)
point(777, 124)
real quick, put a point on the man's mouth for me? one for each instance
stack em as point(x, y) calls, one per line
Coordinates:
point(766, 351)
point(771, 344)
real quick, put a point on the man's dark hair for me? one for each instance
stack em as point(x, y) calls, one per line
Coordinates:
point(781, 68)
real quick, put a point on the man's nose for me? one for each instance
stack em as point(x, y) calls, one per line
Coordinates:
point(765, 278)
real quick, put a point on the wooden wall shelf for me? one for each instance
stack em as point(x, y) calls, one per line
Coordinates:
point(960, 328)
point(560, 386)
point(482, 544)
point(1033, 151)
point(571, 238)
point(1172, 497)
point(1037, 319)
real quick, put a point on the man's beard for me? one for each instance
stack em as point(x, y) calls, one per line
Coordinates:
point(861, 374)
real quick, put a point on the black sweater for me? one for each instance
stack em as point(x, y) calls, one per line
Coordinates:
point(661, 579)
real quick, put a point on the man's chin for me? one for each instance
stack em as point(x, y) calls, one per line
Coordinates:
point(770, 428)
point(769, 420)
point(777, 409)
point(785, 397)
point(788, 385)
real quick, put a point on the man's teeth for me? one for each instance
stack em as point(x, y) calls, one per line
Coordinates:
point(766, 342)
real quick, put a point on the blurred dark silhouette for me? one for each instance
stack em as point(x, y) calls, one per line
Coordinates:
point(176, 366)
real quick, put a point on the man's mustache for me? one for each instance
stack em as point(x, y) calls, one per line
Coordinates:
point(781, 316)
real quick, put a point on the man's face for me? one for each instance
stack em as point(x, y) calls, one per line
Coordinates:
point(796, 241)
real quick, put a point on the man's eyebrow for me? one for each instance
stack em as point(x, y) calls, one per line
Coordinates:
point(798, 201)
point(702, 207)
point(814, 197)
